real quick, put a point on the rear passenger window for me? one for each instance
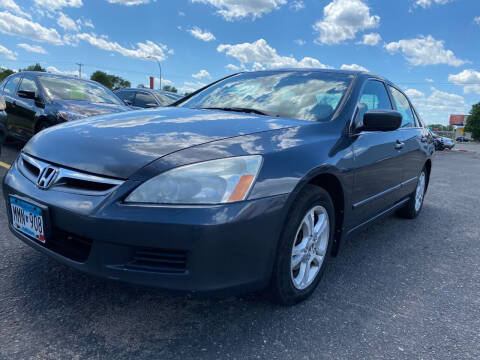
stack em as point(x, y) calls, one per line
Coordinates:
point(11, 85)
point(375, 96)
point(143, 99)
point(126, 95)
point(403, 107)
point(28, 84)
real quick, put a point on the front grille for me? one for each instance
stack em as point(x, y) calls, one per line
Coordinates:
point(69, 245)
point(66, 180)
point(159, 260)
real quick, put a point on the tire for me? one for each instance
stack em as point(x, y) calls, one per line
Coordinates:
point(412, 208)
point(288, 286)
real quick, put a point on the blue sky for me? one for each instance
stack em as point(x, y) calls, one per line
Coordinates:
point(428, 47)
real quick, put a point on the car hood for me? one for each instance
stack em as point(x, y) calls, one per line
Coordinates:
point(118, 145)
point(87, 109)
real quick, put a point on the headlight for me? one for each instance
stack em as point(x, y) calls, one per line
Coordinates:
point(69, 116)
point(211, 182)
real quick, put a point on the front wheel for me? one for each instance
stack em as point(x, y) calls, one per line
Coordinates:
point(413, 207)
point(304, 247)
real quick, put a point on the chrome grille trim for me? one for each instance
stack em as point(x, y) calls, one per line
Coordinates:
point(65, 177)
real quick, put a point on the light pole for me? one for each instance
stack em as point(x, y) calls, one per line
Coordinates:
point(159, 68)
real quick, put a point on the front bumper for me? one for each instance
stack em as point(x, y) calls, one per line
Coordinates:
point(220, 249)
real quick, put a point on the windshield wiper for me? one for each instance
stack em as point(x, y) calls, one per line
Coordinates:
point(237, 109)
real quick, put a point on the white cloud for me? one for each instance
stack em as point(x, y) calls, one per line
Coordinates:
point(427, 3)
point(371, 39)
point(353, 67)
point(201, 74)
point(429, 80)
point(53, 5)
point(233, 67)
point(66, 23)
point(54, 70)
point(297, 5)
point(300, 42)
point(424, 51)
point(11, 6)
point(469, 79)
point(32, 48)
point(437, 107)
point(142, 50)
point(129, 2)
point(87, 23)
point(201, 34)
point(236, 9)
point(261, 56)
point(9, 54)
point(476, 20)
point(181, 13)
point(17, 26)
point(342, 19)
point(191, 86)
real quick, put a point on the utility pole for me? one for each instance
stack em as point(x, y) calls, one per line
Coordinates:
point(80, 70)
point(159, 68)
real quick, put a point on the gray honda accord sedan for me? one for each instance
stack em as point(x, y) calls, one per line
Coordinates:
point(251, 182)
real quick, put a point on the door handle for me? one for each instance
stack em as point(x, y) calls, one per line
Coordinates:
point(399, 145)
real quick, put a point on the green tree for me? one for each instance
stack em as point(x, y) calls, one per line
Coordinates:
point(473, 122)
point(112, 82)
point(170, 88)
point(4, 73)
point(141, 86)
point(36, 67)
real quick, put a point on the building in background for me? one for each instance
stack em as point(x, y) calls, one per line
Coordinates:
point(458, 122)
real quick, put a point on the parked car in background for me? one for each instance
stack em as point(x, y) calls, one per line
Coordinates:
point(3, 122)
point(252, 182)
point(442, 142)
point(462, 139)
point(37, 100)
point(147, 98)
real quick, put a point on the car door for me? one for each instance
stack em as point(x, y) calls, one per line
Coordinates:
point(377, 158)
point(413, 140)
point(26, 108)
point(9, 93)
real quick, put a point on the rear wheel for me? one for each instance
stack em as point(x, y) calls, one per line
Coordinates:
point(304, 247)
point(413, 207)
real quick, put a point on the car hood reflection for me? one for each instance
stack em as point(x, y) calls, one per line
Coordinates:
point(120, 144)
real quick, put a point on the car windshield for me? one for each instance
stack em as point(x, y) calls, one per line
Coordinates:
point(58, 88)
point(306, 95)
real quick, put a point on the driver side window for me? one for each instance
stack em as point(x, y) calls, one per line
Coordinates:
point(374, 97)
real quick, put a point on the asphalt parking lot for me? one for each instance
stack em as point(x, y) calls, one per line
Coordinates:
point(400, 289)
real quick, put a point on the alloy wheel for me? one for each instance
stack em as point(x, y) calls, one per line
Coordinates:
point(310, 247)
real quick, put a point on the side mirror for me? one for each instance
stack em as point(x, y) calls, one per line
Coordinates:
point(26, 94)
point(381, 120)
point(151, 105)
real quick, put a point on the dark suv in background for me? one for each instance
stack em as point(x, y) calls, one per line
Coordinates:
point(147, 98)
point(37, 100)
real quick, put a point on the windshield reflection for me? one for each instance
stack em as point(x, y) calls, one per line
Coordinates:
point(305, 95)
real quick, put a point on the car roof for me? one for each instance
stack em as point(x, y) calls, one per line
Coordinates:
point(43, 73)
point(335, 71)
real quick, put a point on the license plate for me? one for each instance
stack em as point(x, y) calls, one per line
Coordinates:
point(27, 218)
